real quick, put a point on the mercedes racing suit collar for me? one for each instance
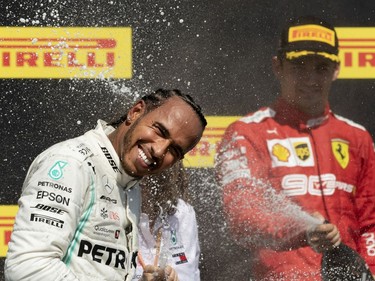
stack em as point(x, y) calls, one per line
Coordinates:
point(110, 156)
point(289, 114)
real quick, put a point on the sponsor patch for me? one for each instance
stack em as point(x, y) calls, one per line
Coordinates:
point(107, 185)
point(311, 32)
point(104, 231)
point(280, 152)
point(327, 184)
point(180, 258)
point(56, 171)
point(47, 220)
point(49, 209)
point(291, 152)
point(173, 237)
point(370, 243)
point(102, 254)
point(51, 196)
point(340, 149)
point(104, 213)
point(302, 150)
point(110, 159)
point(55, 186)
point(108, 199)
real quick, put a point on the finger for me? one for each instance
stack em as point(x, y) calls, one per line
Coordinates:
point(334, 236)
point(168, 270)
point(336, 240)
point(171, 274)
point(318, 216)
point(153, 273)
point(326, 228)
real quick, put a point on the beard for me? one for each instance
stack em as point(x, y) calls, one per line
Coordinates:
point(127, 147)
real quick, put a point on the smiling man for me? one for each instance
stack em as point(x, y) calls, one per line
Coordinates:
point(297, 152)
point(149, 143)
point(80, 201)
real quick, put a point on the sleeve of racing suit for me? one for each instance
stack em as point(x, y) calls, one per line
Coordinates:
point(189, 236)
point(49, 210)
point(365, 202)
point(250, 203)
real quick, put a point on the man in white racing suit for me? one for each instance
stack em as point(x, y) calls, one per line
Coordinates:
point(80, 201)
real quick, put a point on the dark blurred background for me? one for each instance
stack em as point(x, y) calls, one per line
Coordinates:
point(217, 51)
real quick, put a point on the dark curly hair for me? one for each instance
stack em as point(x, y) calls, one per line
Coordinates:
point(159, 97)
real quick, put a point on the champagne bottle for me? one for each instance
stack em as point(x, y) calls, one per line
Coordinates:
point(343, 263)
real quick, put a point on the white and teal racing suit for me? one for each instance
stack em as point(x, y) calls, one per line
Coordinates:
point(78, 214)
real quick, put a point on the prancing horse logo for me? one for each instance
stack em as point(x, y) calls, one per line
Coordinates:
point(340, 149)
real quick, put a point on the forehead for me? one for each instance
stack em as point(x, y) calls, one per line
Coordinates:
point(313, 59)
point(173, 107)
point(179, 119)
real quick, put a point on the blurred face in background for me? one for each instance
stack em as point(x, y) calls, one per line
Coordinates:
point(306, 82)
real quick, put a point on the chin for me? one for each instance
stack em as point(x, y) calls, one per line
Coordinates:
point(128, 170)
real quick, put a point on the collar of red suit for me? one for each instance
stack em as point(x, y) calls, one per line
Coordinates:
point(289, 115)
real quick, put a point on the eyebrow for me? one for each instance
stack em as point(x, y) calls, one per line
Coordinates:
point(167, 134)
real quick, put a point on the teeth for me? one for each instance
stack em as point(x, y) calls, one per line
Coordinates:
point(144, 157)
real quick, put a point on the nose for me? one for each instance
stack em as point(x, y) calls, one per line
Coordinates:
point(313, 76)
point(160, 148)
point(312, 80)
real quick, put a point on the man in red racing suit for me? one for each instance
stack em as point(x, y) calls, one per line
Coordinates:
point(283, 162)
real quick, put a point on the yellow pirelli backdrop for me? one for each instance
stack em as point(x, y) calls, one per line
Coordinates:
point(66, 52)
point(357, 52)
point(7, 215)
point(203, 154)
point(106, 52)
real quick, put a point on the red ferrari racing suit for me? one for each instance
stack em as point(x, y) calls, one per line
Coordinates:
point(275, 166)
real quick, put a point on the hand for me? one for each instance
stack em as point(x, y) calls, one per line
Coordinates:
point(154, 273)
point(324, 236)
point(170, 274)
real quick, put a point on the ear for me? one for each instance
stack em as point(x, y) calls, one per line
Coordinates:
point(276, 66)
point(136, 111)
point(336, 72)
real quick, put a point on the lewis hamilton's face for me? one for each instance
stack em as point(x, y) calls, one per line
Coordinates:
point(154, 141)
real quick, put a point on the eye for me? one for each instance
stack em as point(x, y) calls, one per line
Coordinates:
point(323, 68)
point(176, 152)
point(298, 67)
point(174, 149)
point(159, 130)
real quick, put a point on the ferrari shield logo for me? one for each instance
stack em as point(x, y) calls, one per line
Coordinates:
point(302, 150)
point(340, 149)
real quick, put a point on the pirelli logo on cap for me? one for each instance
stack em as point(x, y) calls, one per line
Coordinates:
point(357, 52)
point(311, 32)
point(66, 52)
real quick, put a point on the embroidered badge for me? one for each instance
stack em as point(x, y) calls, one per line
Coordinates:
point(280, 152)
point(340, 149)
point(302, 150)
point(56, 171)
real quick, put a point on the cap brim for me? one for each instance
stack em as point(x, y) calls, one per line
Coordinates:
point(298, 54)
